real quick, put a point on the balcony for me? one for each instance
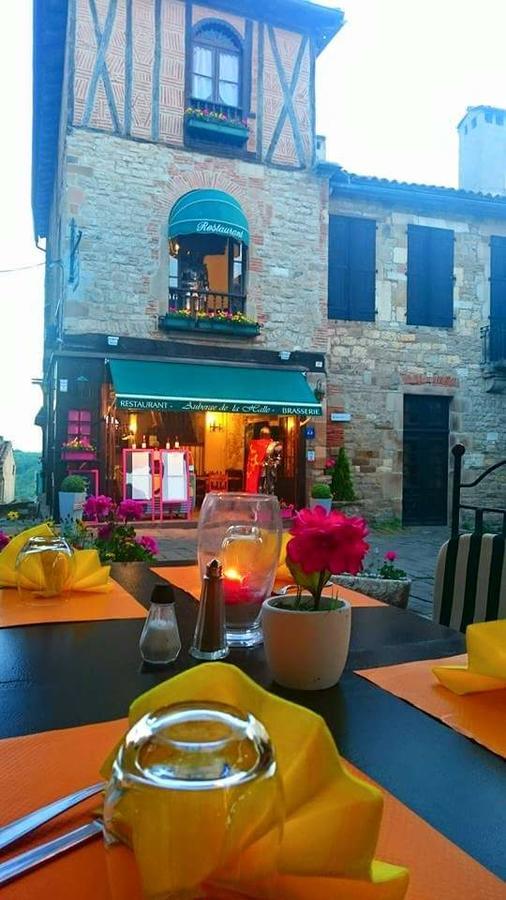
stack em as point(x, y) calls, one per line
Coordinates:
point(208, 312)
point(215, 123)
point(493, 343)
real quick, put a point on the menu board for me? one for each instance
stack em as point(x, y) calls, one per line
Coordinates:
point(138, 474)
point(175, 476)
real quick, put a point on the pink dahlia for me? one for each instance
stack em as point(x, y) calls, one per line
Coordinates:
point(327, 542)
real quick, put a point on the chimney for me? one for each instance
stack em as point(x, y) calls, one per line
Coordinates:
point(482, 150)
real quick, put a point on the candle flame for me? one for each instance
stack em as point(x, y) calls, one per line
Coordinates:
point(233, 575)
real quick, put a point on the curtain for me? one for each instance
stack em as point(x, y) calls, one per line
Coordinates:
point(229, 79)
point(202, 73)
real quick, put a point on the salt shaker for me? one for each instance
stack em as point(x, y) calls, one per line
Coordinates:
point(160, 642)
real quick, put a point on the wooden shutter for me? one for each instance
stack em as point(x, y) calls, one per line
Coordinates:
point(430, 276)
point(442, 242)
point(362, 277)
point(338, 289)
point(352, 268)
point(497, 278)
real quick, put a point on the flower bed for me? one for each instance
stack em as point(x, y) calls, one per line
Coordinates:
point(224, 322)
point(214, 125)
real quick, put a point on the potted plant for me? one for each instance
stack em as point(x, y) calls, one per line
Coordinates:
point(216, 125)
point(78, 449)
point(72, 496)
point(307, 635)
point(321, 496)
point(341, 483)
point(388, 583)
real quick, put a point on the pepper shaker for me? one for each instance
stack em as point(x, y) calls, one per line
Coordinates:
point(210, 638)
point(160, 642)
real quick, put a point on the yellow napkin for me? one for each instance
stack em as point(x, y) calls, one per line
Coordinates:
point(486, 668)
point(332, 819)
point(85, 574)
point(283, 573)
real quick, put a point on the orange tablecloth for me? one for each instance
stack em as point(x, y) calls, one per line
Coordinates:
point(188, 579)
point(85, 606)
point(481, 717)
point(36, 769)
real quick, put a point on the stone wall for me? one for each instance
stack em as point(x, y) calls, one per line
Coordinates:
point(373, 364)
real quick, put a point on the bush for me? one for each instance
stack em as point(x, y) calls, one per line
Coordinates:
point(73, 484)
point(341, 483)
point(320, 491)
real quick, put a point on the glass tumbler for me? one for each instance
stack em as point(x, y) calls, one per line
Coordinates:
point(244, 532)
point(195, 792)
point(44, 570)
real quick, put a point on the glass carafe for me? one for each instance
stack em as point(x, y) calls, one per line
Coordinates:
point(243, 531)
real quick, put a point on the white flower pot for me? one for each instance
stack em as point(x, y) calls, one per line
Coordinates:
point(306, 651)
point(71, 506)
point(327, 504)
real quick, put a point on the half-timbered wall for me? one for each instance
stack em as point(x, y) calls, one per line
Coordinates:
point(129, 75)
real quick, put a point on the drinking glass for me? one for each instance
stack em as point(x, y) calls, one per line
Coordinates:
point(44, 569)
point(193, 786)
point(243, 531)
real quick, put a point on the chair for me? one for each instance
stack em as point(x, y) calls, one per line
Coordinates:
point(470, 582)
point(217, 481)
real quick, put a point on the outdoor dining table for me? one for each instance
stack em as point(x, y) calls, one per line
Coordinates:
point(69, 674)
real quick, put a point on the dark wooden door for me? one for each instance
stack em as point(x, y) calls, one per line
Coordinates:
point(425, 468)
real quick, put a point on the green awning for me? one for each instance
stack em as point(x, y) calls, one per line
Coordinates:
point(208, 212)
point(199, 387)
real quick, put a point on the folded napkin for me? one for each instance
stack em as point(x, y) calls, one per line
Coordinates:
point(86, 574)
point(486, 668)
point(332, 819)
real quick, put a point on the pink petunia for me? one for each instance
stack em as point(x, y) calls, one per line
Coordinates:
point(148, 543)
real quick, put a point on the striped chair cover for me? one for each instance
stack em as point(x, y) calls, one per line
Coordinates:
point(470, 580)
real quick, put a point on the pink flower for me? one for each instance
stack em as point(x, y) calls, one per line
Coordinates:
point(329, 542)
point(105, 531)
point(148, 543)
point(4, 539)
point(391, 555)
point(130, 509)
point(329, 464)
point(98, 507)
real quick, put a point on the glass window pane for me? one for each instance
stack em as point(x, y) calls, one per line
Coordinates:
point(202, 88)
point(229, 93)
point(202, 61)
point(229, 67)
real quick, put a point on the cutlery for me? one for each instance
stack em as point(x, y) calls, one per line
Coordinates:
point(23, 862)
point(19, 827)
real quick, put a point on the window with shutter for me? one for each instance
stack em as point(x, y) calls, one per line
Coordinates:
point(497, 278)
point(430, 276)
point(352, 268)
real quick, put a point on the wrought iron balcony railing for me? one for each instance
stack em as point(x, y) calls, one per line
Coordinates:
point(209, 302)
point(493, 338)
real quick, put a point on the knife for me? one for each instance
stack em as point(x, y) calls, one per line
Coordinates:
point(19, 827)
point(17, 865)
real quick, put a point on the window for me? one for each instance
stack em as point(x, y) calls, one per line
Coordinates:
point(352, 268)
point(78, 424)
point(497, 278)
point(499, 119)
point(488, 116)
point(430, 276)
point(216, 72)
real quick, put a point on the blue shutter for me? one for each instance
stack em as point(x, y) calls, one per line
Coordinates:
point(362, 279)
point(352, 268)
point(497, 278)
point(442, 242)
point(338, 288)
point(430, 276)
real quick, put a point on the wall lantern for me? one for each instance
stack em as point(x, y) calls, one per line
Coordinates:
point(319, 391)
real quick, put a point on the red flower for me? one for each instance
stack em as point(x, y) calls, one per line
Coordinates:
point(391, 555)
point(327, 542)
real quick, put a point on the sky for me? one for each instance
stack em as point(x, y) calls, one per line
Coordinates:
point(392, 87)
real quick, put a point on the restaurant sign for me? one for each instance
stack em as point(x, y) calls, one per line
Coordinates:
point(232, 231)
point(231, 406)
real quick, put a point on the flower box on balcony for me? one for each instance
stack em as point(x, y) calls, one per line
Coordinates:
point(78, 455)
point(210, 325)
point(214, 130)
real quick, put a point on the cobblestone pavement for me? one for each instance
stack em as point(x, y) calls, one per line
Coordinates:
point(417, 550)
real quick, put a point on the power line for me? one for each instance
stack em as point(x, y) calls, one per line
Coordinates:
point(22, 268)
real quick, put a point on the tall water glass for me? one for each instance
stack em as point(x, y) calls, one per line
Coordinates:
point(243, 531)
point(44, 570)
point(195, 792)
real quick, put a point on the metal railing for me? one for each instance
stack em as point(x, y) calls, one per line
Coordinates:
point(458, 452)
point(202, 301)
point(493, 338)
point(231, 112)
